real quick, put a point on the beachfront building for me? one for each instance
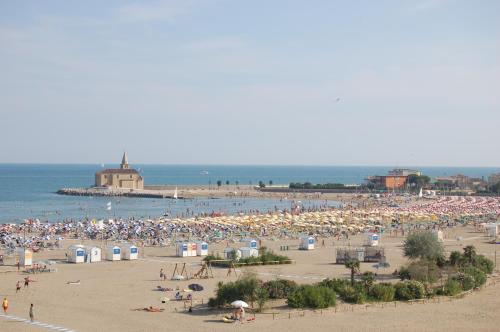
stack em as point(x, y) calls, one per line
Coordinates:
point(494, 179)
point(390, 182)
point(123, 177)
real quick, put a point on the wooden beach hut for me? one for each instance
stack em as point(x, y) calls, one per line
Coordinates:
point(202, 249)
point(250, 243)
point(306, 243)
point(182, 249)
point(113, 253)
point(192, 249)
point(372, 239)
point(129, 252)
point(94, 254)
point(76, 254)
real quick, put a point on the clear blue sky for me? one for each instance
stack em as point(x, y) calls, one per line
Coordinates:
point(251, 82)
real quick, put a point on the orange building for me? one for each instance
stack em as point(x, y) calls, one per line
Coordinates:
point(394, 181)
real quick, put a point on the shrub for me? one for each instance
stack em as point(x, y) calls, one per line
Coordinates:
point(404, 274)
point(242, 289)
point(484, 264)
point(351, 294)
point(312, 296)
point(424, 270)
point(336, 284)
point(410, 290)
point(466, 281)
point(383, 292)
point(452, 287)
point(280, 288)
point(478, 276)
point(455, 258)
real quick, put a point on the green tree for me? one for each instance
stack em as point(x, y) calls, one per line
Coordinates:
point(423, 245)
point(270, 182)
point(219, 183)
point(353, 265)
point(262, 295)
point(262, 184)
point(227, 183)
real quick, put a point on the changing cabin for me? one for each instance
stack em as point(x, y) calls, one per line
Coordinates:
point(113, 253)
point(129, 252)
point(76, 254)
point(306, 243)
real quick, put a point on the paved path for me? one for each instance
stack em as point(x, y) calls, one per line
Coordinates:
point(39, 324)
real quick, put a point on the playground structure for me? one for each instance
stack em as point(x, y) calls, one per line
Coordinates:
point(205, 272)
point(183, 272)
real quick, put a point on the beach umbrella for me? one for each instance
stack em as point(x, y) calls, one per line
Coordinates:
point(196, 287)
point(239, 304)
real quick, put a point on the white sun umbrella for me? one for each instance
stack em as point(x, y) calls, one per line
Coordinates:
point(239, 304)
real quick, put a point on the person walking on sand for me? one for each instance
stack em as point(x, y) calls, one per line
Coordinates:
point(5, 305)
point(32, 317)
point(18, 286)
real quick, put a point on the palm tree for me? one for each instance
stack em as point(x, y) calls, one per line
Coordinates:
point(470, 253)
point(368, 280)
point(352, 264)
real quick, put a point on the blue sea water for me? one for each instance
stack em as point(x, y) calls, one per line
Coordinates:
point(28, 190)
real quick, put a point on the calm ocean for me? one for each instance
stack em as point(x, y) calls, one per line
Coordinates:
point(28, 190)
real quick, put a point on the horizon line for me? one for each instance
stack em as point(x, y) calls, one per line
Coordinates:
point(243, 164)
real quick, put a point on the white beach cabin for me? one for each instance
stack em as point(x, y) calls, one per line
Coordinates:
point(25, 257)
point(492, 229)
point(182, 249)
point(202, 249)
point(129, 252)
point(76, 254)
point(250, 243)
point(372, 239)
point(94, 254)
point(306, 243)
point(249, 252)
point(113, 253)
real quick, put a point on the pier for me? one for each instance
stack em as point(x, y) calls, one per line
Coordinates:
point(121, 192)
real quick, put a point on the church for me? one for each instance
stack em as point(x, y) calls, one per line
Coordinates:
point(123, 177)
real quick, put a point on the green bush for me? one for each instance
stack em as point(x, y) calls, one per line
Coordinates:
point(484, 264)
point(467, 282)
point(478, 276)
point(352, 294)
point(409, 290)
point(383, 292)
point(452, 287)
point(312, 296)
point(336, 284)
point(404, 274)
point(280, 288)
point(424, 270)
point(243, 289)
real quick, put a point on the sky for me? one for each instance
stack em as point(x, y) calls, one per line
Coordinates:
point(283, 82)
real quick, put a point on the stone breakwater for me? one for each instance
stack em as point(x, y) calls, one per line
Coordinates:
point(107, 192)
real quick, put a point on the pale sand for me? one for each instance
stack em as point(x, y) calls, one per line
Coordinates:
point(109, 290)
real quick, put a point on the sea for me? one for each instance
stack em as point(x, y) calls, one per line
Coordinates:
point(29, 190)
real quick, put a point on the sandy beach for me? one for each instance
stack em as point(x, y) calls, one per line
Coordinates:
point(108, 291)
